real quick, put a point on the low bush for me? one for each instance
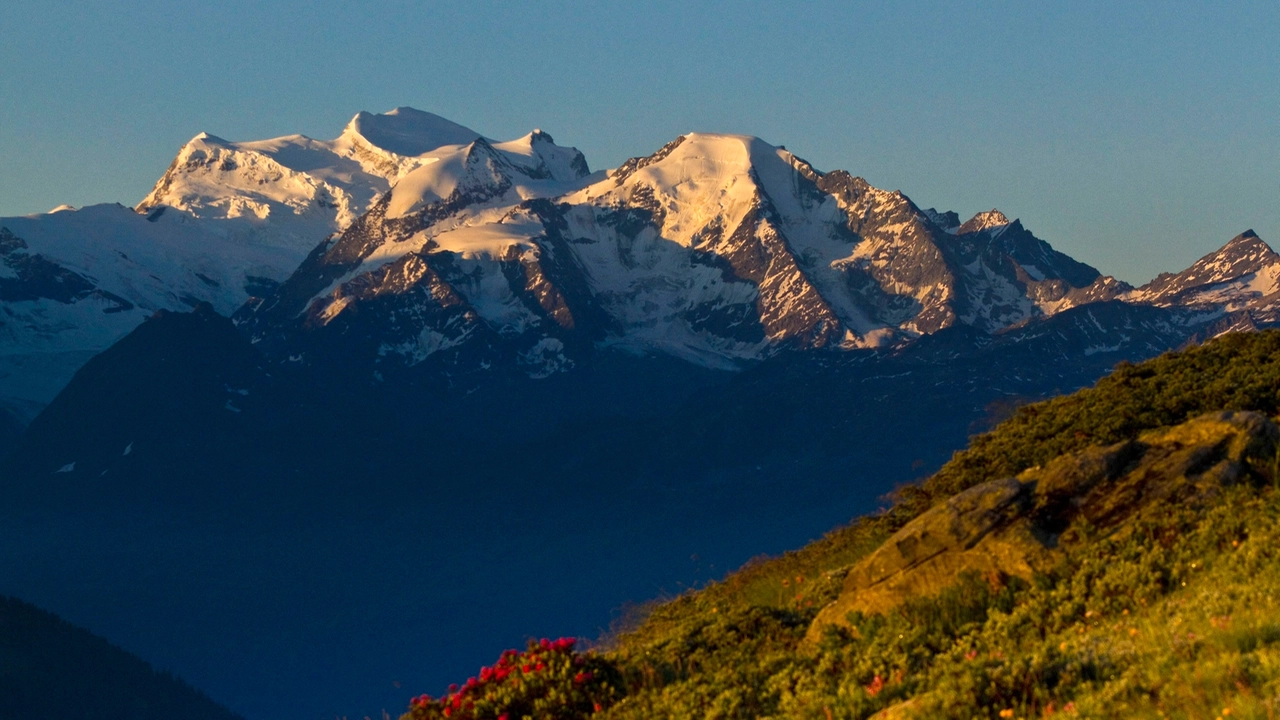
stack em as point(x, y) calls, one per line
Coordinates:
point(549, 680)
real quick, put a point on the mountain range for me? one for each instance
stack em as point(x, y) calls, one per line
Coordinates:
point(313, 400)
point(449, 254)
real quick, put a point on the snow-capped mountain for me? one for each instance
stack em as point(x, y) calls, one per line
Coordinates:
point(717, 249)
point(72, 282)
point(293, 190)
point(1243, 275)
point(413, 245)
point(443, 258)
point(226, 222)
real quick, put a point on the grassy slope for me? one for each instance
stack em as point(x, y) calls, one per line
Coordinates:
point(1175, 617)
point(1113, 633)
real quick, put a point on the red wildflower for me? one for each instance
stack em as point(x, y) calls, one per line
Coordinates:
point(876, 686)
point(598, 708)
point(540, 667)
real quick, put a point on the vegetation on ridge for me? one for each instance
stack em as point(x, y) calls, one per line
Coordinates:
point(1169, 612)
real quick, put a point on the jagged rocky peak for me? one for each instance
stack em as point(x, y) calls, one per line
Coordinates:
point(718, 246)
point(983, 221)
point(1247, 248)
point(538, 157)
point(948, 221)
point(1244, 271)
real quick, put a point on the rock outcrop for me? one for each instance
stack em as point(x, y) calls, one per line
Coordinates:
point(1012, 527)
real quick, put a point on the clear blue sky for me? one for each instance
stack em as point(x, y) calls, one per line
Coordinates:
point(1134, 136)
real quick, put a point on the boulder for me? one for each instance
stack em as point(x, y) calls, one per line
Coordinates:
point(1011, 527)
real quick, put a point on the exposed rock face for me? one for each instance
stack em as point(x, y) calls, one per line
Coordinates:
point(1012, 527)
point(34, 277)
point(956, 537)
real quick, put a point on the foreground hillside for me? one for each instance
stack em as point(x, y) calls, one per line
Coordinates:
point(1112, 553)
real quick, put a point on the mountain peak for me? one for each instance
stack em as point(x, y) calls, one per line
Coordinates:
point(408, 132)
point(1246, 238)
point(207, 139)
point(949, 220)
point(709, 158)
point(983, 221)
point(1245, 260)
point(1246, 247)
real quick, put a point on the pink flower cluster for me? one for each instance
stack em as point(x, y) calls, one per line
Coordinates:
point(517, 680)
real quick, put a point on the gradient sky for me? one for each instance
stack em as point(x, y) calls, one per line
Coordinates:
point(1133, 136)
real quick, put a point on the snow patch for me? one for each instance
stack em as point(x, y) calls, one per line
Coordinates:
point(545, 359)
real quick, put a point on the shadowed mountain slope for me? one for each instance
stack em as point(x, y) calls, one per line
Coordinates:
point(50, 669)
